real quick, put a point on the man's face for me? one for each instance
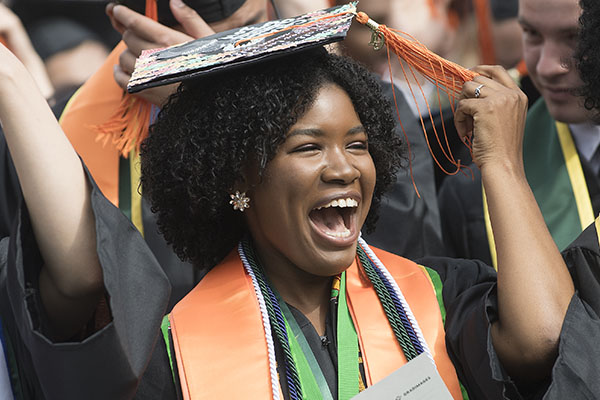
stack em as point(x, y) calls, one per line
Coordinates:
point(550, 29)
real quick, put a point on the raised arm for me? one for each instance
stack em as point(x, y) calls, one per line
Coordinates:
point(57, 196)
point(534, 286)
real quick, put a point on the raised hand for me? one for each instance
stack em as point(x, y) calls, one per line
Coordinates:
point(141, 33)
point(16, 38)
point(494, 119)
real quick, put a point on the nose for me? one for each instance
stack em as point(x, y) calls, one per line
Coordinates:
point(553, 61)
point(340, 167)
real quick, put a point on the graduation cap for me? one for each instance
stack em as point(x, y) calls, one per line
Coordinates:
point(261, 42)
point(241, 46)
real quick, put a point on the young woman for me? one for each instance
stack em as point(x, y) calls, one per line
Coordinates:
point(295, 305)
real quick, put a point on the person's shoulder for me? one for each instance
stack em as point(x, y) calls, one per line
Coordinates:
point(391, 260)
point(588, 239)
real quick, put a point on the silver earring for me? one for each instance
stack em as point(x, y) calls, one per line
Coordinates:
point(239, 201)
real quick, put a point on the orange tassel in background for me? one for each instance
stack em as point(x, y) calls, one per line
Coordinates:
point(484, 31)
point(128, 127)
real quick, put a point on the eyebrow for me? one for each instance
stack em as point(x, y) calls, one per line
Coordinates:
point(317, 132)
point(564, 31)
point(522, 21)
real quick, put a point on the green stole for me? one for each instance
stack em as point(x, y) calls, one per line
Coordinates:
point(554, 172)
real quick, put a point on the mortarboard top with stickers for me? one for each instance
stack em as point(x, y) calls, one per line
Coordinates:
point(240, 46)
point(256, 43)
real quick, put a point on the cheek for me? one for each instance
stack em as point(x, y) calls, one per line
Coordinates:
point(531, 56)
point(278, 189)
point(368, 179)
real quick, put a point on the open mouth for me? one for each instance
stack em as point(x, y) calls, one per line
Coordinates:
point(334, 219)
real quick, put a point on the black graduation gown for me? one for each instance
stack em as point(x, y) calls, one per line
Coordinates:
point(407, 224)
point(10, 190)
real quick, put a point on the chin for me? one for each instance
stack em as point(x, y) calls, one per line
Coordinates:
point(568, 114)
point(334, 263)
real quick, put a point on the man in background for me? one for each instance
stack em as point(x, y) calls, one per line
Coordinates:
point(560, 144)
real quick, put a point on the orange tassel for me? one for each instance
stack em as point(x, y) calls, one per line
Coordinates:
point(152, 10)
point(128, 126)
point(522, 68)
point(432, 9)
point(484, 30)
point(447, 76)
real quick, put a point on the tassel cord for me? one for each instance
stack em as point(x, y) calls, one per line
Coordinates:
point(273, 310)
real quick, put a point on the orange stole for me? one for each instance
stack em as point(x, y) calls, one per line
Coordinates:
point(93, 104)
point(220, 342)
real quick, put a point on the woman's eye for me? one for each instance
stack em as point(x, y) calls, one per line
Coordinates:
point(359, 145)
point(305, 148)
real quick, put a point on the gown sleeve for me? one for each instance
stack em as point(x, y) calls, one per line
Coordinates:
point(10, 190)
point(468, 293)
point(469, 296)
point(575, 372)
point(109, 362)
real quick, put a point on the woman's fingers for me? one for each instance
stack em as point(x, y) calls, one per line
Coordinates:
point(463, 119)
point(140, 32)
point(192, 23)
point(492, 111)
point(497, 74)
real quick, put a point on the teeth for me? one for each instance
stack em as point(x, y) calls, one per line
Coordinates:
point(340, 203)
point(343, 234)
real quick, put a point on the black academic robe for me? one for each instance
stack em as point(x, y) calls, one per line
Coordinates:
point(407, 224)
point(10, 190)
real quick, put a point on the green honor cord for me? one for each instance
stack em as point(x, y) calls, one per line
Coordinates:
point(312, 380)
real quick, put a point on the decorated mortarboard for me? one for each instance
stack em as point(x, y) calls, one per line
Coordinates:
point(241, 46)
point(260, 42)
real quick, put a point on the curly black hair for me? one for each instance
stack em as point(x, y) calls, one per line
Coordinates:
point(211, 128)
point(588, 54)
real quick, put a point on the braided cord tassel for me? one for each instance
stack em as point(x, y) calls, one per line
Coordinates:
point(266, 325)
point(399, 294)
point(388, 306)
point(398, 305)
point(277, 322)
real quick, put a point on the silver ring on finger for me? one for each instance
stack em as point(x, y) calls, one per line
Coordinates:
point(478, 91)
